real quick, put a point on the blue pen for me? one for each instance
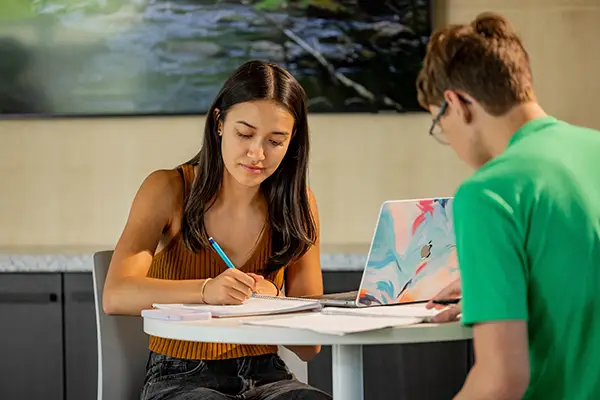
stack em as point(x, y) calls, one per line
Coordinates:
point(221, 254)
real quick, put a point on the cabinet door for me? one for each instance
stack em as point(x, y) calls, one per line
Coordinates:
point(341, 281)
point(81, 345)
point(31, 337)
point(432, 371)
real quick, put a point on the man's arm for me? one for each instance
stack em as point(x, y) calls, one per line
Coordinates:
point(494, 275)
point(501, 371)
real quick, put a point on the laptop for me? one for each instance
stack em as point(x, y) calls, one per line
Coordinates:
point(412, 255)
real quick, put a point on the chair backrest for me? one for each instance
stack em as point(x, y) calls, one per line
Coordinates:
point(122, 344)
point(296, 366)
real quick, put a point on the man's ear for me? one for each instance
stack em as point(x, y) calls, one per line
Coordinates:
point(459, 106)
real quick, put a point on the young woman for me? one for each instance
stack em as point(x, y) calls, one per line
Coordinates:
point(247, 189)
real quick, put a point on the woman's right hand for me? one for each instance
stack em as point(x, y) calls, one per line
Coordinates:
point(232, 286)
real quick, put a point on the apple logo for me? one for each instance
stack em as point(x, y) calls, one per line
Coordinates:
point(426, 250)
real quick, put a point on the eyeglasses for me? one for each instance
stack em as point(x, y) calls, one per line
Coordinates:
point(436, 130)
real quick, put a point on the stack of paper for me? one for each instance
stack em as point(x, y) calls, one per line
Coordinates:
point(334, 324)
point(393, 311)
point(252, 306)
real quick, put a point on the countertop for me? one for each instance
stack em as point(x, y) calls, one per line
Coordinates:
point(351, 257)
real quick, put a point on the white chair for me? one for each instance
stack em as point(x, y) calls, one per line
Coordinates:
point(295, 364)
point(123, 346)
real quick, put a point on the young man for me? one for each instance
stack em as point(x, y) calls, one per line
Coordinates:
point(527, 222)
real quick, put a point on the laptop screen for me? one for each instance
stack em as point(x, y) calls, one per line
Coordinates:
point(413, 252)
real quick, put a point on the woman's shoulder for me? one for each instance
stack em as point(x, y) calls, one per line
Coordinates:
point(312, 200)
point(167, 180)
point(163, 188)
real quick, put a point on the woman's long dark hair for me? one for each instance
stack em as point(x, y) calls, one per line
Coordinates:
point(292, 225)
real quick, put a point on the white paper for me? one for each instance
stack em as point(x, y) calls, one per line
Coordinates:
point(252, 306)
point(334, 324)
point(401, 311)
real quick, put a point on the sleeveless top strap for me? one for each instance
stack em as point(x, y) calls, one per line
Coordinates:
point(186, 171)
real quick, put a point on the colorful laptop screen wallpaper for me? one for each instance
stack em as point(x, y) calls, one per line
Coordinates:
point(413, 254)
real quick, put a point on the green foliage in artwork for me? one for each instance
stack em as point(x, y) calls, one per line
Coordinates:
point(15, 10)
point(271, 5)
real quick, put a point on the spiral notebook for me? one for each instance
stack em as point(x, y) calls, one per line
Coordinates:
point(258, 305)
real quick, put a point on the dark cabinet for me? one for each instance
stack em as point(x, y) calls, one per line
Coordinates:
point(48, 343)
point(429, 371)
point(414, 371)
point(31, 337)
point(81, 345)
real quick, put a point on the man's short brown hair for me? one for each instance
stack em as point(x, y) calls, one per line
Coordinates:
point(485, 59)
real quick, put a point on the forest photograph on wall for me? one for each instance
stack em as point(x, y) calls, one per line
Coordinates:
point(171, 57)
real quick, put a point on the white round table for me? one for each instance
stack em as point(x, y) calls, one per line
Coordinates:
point(347, 363)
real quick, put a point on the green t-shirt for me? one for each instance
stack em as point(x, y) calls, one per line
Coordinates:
point(528, 241)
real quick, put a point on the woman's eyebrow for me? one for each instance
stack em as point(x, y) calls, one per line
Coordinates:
point(283, 133)
point(245, 123)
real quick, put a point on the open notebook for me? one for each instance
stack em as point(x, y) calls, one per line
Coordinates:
point(259, 305)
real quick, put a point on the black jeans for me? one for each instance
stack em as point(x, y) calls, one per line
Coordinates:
point(246, 378)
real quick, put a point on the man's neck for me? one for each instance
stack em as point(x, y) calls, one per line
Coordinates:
point(501, 129)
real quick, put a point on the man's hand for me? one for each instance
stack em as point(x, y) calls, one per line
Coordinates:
point(451, 313)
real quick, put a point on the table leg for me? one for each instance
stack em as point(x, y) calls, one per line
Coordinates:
point(347, 373)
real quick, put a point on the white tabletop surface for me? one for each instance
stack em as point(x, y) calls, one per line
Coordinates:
point(231, 330)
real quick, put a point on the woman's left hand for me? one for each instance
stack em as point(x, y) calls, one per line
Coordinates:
point(264, 286)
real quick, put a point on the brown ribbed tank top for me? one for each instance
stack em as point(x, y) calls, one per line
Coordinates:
point(176, 262)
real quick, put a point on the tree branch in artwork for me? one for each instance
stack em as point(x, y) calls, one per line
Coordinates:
point(360, 89)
